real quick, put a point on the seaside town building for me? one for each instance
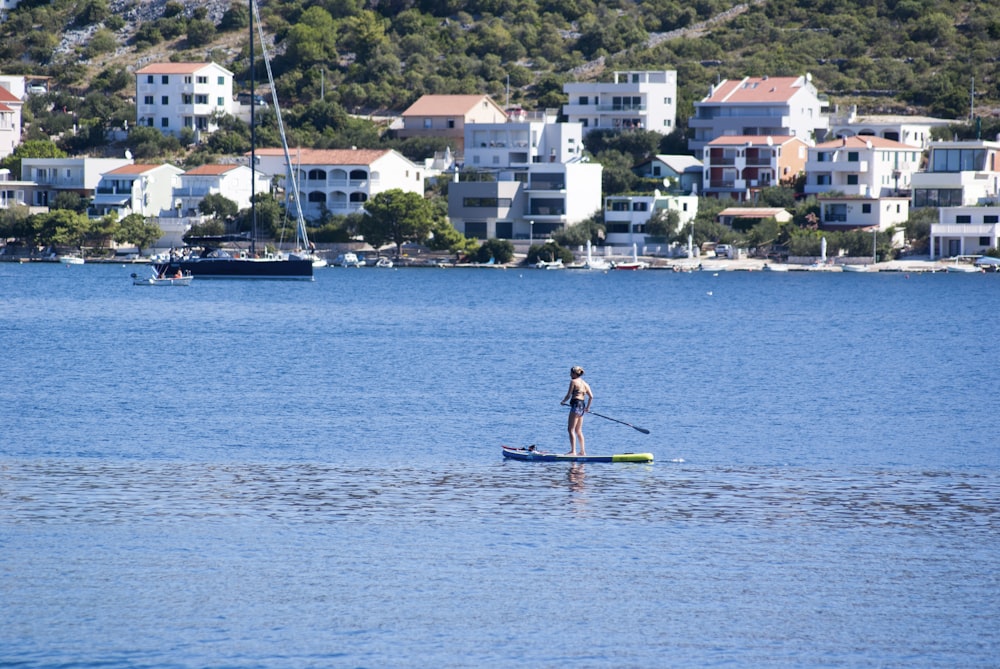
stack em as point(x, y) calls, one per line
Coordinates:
point(626, 216)
point(10, 120)
point(775, 106)
point(848, 212)
point(911, 130)
point(678, 173)
point(340, 181)
point(962, 173)
point(634, 100)
point(861, 166)
point(174, 96)
point(737, 166)
point(445, 117)
point(51, 176)
point(965, 231)
point(536, 183)
point(136, 189)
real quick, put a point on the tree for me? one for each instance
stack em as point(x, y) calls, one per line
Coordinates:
point(663, 223)
point(498, 250)
point(135, 229)
point(397, 216)
point(219, 207)
point(34, 148)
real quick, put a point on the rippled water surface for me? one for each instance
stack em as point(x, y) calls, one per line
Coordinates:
point(242, 474)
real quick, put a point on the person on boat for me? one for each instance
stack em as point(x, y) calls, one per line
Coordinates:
point(179, 274)
point(579, 397)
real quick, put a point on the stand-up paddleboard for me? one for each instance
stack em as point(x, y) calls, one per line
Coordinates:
point(532, 454)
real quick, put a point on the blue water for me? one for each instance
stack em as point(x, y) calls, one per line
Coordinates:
point(242, 474)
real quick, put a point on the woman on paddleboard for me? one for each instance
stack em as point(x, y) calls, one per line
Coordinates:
point(579, 397)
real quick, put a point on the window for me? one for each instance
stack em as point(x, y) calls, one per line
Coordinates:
point(852, 179)
point(188, 122)
point(186, 98)
point(866, 208)
point(164, 122)
point(149, 78)
point(165, 100)
point(187, 79)
point(165, 79)
point(963, 218)
point(984, 241)
point(821, 157)
point(428, 123)
point(668, 101)
point(991, 219)
point(201, 99)
point(584, 100)
point(836, 213)
point(219, 101)
point(451, 123)
point(222, 81)
point(822, 179)
point(148, 100)
point(958, 160)
point(937, 197)
point(852, 156)
point(202, 80)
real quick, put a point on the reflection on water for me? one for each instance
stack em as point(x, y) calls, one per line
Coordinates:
point(102, 492)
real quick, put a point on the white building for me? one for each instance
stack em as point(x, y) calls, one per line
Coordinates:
point(959, 174)
point(645, 100)
point(10, 122)
point(14, 193)
point(137, 189)
point(526, 138)
point(174, 96)
point(74, 175)
point(738, 166)
point(759, 106)
point(911, 130)
point(625, 216)
point(523, 179)
point(230, 181)
point(340, 181)
point(861, 165)
point(840, 212)
point(965, 231)
point(680, 173)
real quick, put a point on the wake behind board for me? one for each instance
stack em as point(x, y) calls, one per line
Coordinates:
point(532, 454)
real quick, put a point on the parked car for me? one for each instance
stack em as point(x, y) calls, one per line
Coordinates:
point(37, 89)
point(723, 250)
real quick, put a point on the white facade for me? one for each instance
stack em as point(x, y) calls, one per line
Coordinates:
point(911, 130)
point(230, 181)
point(866, 166)
point(15, 193)
point(340, 181)
point(838, 212)
point(526, 138)
point(524, 203)
point(137, 189)
point(679, 173)
point(77, 175)
point(174, 96)
point(625, 216)
point(959, 174)
point(10, 121)
point(965, 231)
point(759, 106)
point(645, 100)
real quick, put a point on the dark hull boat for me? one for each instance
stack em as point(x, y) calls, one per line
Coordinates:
point(214, 262)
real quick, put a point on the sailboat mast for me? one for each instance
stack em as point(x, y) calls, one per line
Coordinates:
point(253, 145)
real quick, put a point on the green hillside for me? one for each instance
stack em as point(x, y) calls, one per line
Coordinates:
point(338, 57)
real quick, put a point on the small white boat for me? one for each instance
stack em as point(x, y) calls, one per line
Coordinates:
point(384, 263)
point(550, 264)
point(856, 268)
point(774, 268)
point(961, 268)
point(71, 260)
point(635, 264)
point(349, 259)
point(184, 279)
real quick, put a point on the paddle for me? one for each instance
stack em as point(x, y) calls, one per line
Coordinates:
point(640, 429)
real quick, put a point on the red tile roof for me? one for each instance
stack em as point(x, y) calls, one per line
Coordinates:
point(172, 68)
point(132, 169)
point(210, 170)
point(446, 105)
point(755, 89)
point(862, 142)
point(328, 156)
point(753, 140)
point(7, 96)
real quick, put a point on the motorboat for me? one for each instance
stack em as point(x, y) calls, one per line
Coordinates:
point(349, 259)
point(550, 264)
point(856, 268)
point(177, 279)
point(384, 262)
point(635, 264)
point(71, 260)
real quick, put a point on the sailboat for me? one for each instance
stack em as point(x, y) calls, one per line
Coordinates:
point(216, 262)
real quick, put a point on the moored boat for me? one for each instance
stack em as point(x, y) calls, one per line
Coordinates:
point(215, 262)
point(157, 280)
point(532, 454)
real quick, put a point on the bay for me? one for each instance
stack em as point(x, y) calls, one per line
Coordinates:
point(243, 474)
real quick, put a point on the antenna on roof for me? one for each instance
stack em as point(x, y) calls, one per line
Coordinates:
point(128, 154)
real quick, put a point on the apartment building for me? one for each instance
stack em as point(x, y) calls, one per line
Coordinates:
point(958, 174)
point(776, 106)
point(634, 100)
point(862, 166)
point(445, 117)
point(174, 96)
point(136, 189)
point(965, 231)
point(340, 181)
point(52, 176)
point(737, 166)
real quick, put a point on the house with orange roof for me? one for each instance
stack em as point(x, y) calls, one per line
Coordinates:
point(136, 189)
point(861, 165)
point(10, 122)
point(737, 166)
point(173, 96)
point(340, 181)
point(760, 106)
point(445, 117)
point(230, 181)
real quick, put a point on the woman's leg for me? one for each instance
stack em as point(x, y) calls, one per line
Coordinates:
point(581, 444)
point(571, 427)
